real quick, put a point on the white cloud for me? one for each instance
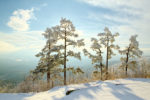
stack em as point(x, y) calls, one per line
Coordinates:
point(19, 60)
point(31, 40)
point(122, 5)
point(145, 49)
point(19, 20)
point(127, 17)
point(44, 5)
point(7, 47)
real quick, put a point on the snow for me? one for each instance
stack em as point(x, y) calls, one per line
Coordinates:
point(121, 89)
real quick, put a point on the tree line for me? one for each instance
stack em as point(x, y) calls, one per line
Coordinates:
point(56, 51)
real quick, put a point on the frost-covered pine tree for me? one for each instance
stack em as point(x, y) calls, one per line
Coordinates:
point(107, 39)
point(97, 57)
point(130, 52)
point(68, 36)
point(50, 55)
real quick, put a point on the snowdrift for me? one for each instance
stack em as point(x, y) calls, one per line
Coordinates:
point(121, 89)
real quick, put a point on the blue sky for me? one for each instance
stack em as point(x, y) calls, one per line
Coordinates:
point(23, 21)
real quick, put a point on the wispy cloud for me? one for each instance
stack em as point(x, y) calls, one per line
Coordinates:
point(7, 47)
point(128, 6)
point(19, 21)
point(31, 40)
point(127, 17)
point(19, 60)
point(44, 5)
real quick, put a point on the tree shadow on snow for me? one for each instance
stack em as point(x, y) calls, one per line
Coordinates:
point(146, 80)
point(14, 96)
point(87, 92)
point(122, 92)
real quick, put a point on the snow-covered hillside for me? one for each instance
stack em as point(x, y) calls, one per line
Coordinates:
point(121, 89)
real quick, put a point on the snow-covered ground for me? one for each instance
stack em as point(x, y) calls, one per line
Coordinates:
point(121, 89)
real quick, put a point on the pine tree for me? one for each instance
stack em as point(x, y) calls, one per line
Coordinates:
point(131, 51)
point(97, 58)
point(107, 39)
point(50, 54)
point(67, 33)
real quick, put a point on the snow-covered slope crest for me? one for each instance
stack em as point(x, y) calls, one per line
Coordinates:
point(121, 89)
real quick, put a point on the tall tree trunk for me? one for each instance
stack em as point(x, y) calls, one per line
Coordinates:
point(48, 79)
point(52, 83)
point(127, 59)
point(107, 60)
point(48, 71)
point(101, 66)
point(65, 60)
